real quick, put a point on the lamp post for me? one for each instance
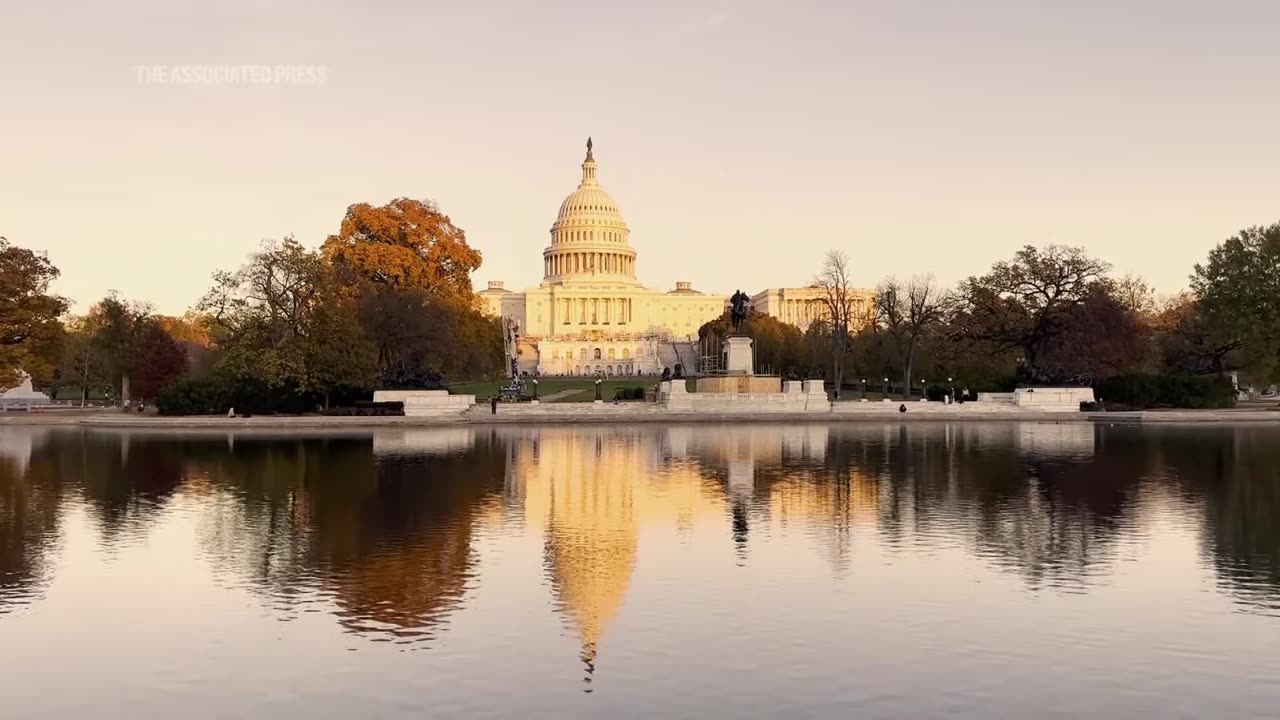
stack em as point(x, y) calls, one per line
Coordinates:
point(597, 388)
point(535, 388)
point(951, 390)
point(886, 387)
point(864, 388)
point(923, 394)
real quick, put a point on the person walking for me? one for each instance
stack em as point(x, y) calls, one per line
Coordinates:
point(493, 405)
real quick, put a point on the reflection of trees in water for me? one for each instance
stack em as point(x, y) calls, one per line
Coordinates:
point(387, 539)
point(1235, 473)
point(1037, 502)
point(30, 504)
point(125, 480)
point(824, 491)
point(1052, 517)
point(123, 485)
point(1048, 504)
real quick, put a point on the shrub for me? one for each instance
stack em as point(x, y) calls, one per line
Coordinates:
point(629, 393)
point(1174, 391)
point(367, 408)
point(216, 394)
point(194, 396)
point(403, 376)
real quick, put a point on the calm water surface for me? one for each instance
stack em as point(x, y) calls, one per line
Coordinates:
point(960, 571)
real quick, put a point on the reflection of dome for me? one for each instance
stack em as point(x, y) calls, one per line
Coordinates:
point(589, 238)
point(591, 538)
point(590, 570)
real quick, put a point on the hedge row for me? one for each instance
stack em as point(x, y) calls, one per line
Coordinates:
point(1169, 391)
point(629, 393)
point(216, 394)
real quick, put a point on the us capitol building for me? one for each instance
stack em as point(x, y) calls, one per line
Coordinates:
point(590, 315)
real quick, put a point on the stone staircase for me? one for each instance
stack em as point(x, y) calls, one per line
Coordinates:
point(684, 352)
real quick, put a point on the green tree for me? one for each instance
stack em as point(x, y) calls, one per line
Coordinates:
point(31, 333)
point(116, 328)
point(81, 365)
point(336, 353)
point(1188, 342)
point(419, 336)
point(1023, 304)
point(779, 347)
point(1238, 289)
point(280, 320)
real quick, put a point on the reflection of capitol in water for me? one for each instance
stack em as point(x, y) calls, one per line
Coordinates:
point(398, 533)
point(588, 491)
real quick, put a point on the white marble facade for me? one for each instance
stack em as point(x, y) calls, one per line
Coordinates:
point(804, 306)
point(590, 315)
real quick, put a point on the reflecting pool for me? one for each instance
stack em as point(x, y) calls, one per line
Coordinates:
point(858, 570)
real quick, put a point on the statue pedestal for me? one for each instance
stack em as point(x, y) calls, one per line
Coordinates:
point(738, 357)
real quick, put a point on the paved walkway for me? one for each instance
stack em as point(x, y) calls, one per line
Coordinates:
point(553, 397)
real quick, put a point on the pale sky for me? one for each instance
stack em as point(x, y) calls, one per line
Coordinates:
point(741, 139)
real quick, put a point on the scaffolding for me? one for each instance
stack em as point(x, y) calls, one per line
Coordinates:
point(513, 390)
point(710, 359)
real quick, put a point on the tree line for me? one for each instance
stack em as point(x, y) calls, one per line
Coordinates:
point(384, 302)
point(1047, 315)
point(387, 301)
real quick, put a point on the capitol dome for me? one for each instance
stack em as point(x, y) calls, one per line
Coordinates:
point(590, 202)
point(589, 239)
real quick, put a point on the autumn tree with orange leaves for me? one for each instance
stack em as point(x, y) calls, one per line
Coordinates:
point(404, 245)
point(31, 334)
point(408, 269)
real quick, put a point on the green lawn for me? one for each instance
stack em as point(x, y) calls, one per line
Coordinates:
point(564, 389)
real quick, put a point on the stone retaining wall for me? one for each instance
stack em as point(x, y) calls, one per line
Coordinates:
point(808, 396)
point(427, 403)
point(620, 410)
point(916, 407)
point(1045, 399)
